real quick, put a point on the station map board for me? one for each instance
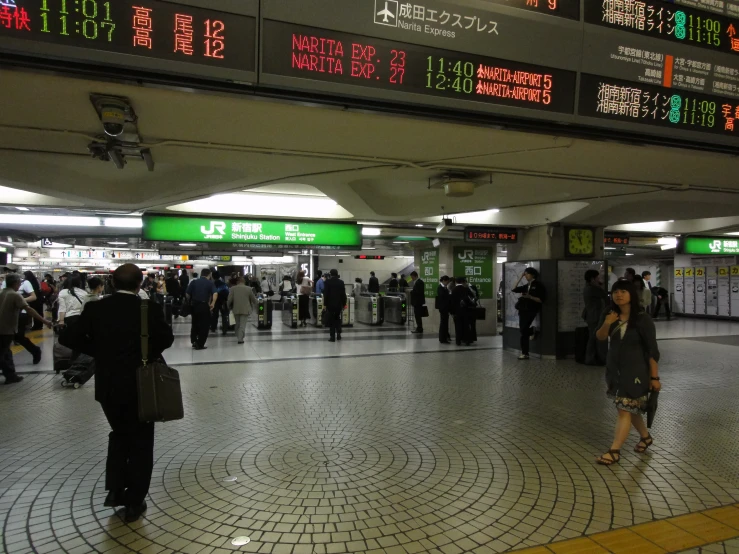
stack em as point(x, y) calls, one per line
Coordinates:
point(666, 69)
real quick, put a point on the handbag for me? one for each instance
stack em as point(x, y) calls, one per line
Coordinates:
point(477, 313)
point(157, 384)
point(424, 311)
point(325, 321)
point(185, 309)
point(231, 318)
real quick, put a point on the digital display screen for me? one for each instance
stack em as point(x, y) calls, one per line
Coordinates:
point(562, 8)
point(665, 20)
point(363, 257)
point(310, 53)
point(614, 99)
point(490, 234)
point(616, 240)
point(144, 28)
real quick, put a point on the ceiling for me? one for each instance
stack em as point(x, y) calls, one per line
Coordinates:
point(376, 167)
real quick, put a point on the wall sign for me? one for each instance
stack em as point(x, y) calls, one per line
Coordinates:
point(476, 264)
point(250, 231)
point(710, 245)
point(429, 271)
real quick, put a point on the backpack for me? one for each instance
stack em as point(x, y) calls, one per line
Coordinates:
point(45, 289)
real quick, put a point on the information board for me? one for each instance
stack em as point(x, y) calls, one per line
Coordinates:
point(571, 285)
point(735, 290)
point(490, 234)
point(700, 290)
point(678, 295)
point(476, 264)
point(308, 234)
point(429, 270)
point(724, 291)
point(134, 32)
point(710, 245)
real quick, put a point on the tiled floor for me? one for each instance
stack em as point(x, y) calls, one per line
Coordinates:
point(377, 443)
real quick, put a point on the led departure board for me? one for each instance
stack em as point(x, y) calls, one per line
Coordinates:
point(666, 21)
point(317, 54)
point(150, 29)
point(562, 8)
point(654, 105)
point(490, 234)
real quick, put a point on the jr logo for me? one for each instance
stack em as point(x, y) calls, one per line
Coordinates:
point(216, 231)
point(467, 255)
point(715, 246)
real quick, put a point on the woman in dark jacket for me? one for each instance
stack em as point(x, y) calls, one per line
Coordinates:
point(632, 369)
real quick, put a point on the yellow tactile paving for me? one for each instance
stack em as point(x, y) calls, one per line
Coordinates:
point(34, 340)
point(657, 537)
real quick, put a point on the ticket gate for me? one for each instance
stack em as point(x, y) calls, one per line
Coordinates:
point(395, 308)
point(369, 309)
point(290, 311)
point(348, 314)
point(316, 308)
point(264, 313)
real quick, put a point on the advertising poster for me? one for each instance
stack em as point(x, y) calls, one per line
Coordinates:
point(477, 265)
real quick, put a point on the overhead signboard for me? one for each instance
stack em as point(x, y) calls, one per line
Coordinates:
point(616, 239)
point(490, 234)
point(248, 231)
point(710, 245)
point(181, 37)
point(429, 268)
point(476, 264)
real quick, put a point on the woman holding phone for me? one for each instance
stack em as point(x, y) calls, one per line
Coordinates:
point(632, 367)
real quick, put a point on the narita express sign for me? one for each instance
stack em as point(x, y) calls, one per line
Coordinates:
point(711, 245)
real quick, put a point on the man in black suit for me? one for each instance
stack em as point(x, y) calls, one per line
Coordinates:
point(110, 331)
point(418, 301)
point(459, 308)
point(334, 300)
point(443, 299)
point(374, 283)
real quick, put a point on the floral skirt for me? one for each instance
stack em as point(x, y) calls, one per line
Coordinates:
point(634, 405)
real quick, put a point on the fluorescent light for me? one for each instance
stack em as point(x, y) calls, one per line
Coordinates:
point(401, 242)
point(60, 220)
point(118, 243)
point(371, 232)
point(732, 234)
point(368, 248)
point(610, 248)
point(22, 209)
point(494, 211)
point(271, 205)
point(669, 246)
point(502, 260)
point(6, 243)
point(128, 222)
point(629, 254)
point(667, 241)
point(646, 227)
point(419, 224)
point(189, 244)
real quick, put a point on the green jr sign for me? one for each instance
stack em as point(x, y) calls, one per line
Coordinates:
point(711, 245)
point(429, 270)
point(251, 231)
point(477, 265)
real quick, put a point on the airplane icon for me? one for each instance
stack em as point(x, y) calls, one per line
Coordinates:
point(385, 15)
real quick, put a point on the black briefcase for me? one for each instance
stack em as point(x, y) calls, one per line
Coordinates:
point(477, 313)
point(158, 385)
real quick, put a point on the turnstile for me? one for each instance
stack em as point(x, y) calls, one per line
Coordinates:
point(316, 308)
point(264, 313)
point(348, 314)
point(369, 309)
point(395, 308)
point(290, 311)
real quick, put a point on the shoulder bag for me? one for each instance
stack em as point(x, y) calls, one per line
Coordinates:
point(158, 385)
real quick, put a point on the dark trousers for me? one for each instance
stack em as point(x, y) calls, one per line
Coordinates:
point(525, 320)
point(303, 303)
point(200, 323)
point(219, 312)
point(444, 326)
point(334, 324)
point(462, 327)
point(663, 302)
point(6, 356)
point(20, 336)
point(130, 451)
point(597, 350)
point(38, 305)
point(419, 318)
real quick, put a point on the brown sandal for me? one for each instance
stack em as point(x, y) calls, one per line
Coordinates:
point(615, 458)
point(644, 444)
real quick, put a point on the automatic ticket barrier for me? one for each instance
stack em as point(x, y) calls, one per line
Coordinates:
point(395, 307)
point(264, 313)
point(316, 308)
point(290, 311)
point(348, 313)
point(369, 309)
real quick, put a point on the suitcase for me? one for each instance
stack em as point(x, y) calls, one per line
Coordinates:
point(582, 335)
point(158, 385)
point(80, 372)
point(62, 357)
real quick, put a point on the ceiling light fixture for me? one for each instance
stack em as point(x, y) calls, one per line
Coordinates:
point(59, 220)
point(368, 248)
point(191, 244)
point(128, 222)
point(401, 242)
point(118, 243)
point(371, 232)
point(419, 224)
point(22, 209)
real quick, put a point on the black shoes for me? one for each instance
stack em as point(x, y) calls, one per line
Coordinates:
point(201, 348)
point(36, 357)
point(133, 513)
point(444, 342)
point(12, 380)
point(417, 331)
point(240, 342)
point(338, 337)
point(114, 499)
point(331, 340)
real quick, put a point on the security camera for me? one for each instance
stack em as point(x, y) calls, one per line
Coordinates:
point(114, 113)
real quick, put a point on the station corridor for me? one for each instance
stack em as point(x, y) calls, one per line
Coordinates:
point(382, 444)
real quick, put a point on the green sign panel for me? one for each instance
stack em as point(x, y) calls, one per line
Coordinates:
point(711, 245)
point(252, 231)
point(477, 265)
point(429, 271)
